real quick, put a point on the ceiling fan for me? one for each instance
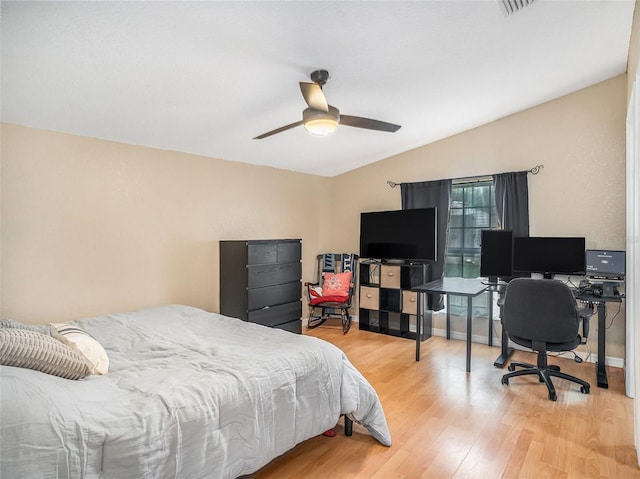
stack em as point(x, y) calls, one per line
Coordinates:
point(321, 118)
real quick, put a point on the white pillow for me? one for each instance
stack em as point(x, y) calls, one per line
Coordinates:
point(84, 343)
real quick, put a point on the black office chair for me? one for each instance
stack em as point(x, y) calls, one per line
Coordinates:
point(541, 314)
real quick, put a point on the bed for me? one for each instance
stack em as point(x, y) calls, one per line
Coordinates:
point(188, 394)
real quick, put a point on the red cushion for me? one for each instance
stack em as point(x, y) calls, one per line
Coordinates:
point(336, 284)
point(329, 299)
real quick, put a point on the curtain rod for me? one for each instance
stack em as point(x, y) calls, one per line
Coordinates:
point(534, 171)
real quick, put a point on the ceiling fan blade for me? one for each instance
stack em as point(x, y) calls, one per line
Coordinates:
point(313, 95)
point(368, 123)
point(278, 130)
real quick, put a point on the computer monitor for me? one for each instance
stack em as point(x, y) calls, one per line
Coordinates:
point(606, 264)
point(496, 254)
point(549, 255)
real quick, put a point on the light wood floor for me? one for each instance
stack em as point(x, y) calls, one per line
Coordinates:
point(446, 423)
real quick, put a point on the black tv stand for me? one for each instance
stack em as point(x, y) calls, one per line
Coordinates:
point(387, 304)
point(390, 261)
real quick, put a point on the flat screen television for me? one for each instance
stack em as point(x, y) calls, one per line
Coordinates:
point(399, 234)
point(549, 255)
point(496, 254)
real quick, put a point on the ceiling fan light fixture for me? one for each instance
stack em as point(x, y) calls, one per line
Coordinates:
point(321, 123)
point(321, 119)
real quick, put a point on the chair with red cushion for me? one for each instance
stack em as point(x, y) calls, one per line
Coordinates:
point(332, 294)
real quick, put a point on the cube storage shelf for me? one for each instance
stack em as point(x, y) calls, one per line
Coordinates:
point(387, 304)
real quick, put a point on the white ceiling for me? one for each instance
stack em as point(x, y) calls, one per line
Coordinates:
point(207, 77)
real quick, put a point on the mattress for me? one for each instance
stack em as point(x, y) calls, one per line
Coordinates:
point(189, 394)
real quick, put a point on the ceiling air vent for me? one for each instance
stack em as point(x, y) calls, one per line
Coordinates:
point(509, 7)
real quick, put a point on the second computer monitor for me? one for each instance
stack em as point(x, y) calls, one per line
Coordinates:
point(496, 254)
point(548, 255)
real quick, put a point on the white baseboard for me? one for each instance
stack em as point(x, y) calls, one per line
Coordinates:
point(482, 339)
point(580, 351)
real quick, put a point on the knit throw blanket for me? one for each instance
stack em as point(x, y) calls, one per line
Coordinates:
point(338, 262)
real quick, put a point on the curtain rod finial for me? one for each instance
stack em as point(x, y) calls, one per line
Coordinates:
point(392, 184)
point(536, 169)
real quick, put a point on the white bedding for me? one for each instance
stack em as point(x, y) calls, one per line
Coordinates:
point(189, 394)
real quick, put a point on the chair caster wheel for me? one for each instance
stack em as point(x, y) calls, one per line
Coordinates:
point(505, 380)
point(584, 389)
point(511, 367)
point(553, 396)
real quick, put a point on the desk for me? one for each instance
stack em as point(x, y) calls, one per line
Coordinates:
point(601, 302)
point(470, 288)
point(505, 350)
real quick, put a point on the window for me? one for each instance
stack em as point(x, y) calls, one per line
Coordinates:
point(472, 210)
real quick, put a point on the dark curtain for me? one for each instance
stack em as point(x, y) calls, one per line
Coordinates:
point(431, 194)
point(512, 202)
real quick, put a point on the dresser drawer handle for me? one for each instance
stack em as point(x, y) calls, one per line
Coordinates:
point(369, 295)
point(389, 273)
point(412, 300)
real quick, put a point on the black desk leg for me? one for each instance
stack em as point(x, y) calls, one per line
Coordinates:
point(490, 342)
point(601, 372)
point(506, 351)
point(469, 325)
point(419, 319)
point(448, 319)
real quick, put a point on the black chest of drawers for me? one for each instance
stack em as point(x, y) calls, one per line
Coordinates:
point(261, 282)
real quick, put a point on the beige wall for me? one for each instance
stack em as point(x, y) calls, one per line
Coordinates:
point(580, 140)
point(91, 226)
